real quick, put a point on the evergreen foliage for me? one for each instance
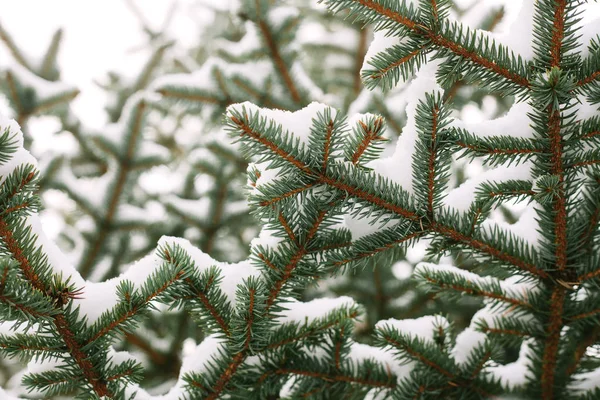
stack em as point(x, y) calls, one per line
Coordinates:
point(335, 208)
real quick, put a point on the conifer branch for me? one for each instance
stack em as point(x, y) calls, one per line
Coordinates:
point(133, 311)
point(582, 348)
point(370, 135)
point(330, 377)
point(557, 299)
point(126, 166)
point(181, 95)
point(14, 94)
point(589, 79)
point(322, 327)
point(439, 38)
point(278, 61)
point(301, 251)
point(486, 248)
point(267, 100)
point(359, 193)
point(13, 48)
point(474, 290)
point(212, 309)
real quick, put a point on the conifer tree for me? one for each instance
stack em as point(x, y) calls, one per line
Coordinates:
point(329, 202)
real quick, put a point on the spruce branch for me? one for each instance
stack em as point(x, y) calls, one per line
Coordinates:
point(273, 139)
point(272, 44)
point(483, 61)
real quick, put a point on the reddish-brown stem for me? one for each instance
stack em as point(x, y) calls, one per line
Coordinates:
point(557, 299)
point(431, 167)
point(370, 136)
point(287, 228)
point(291, 193)
point(213, 312)
point(381, 73)
point(589, 79)
point(552, 341)
point(509, 332)
point(226, 376)
point(267, 262)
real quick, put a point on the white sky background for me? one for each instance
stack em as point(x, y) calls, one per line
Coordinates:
point(99, 36)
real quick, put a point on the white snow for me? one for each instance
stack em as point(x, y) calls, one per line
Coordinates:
point(130, 214)
point(307, 312)
point(278, 15)
point(160, 180)
point(463, 196)
point(250, 42)
point(398, 167)
point(526, 227)
point(516, 374)
point(196, 209)
point(102, 296)
point(466, 342)
point(361, 352)
point(266, 239)
point(298, 123)
point(589, 27)
point(88, 189)
point(7, 396)
point(382, 41)
point(423, 328)
point(514, 123)
point(586, 381)
point(517, 34)
point(402, 270)
point(232, 274)
point(304, 82)
point(195, 362)
point(585, 109)
point(314, 33)
point(363, 226)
